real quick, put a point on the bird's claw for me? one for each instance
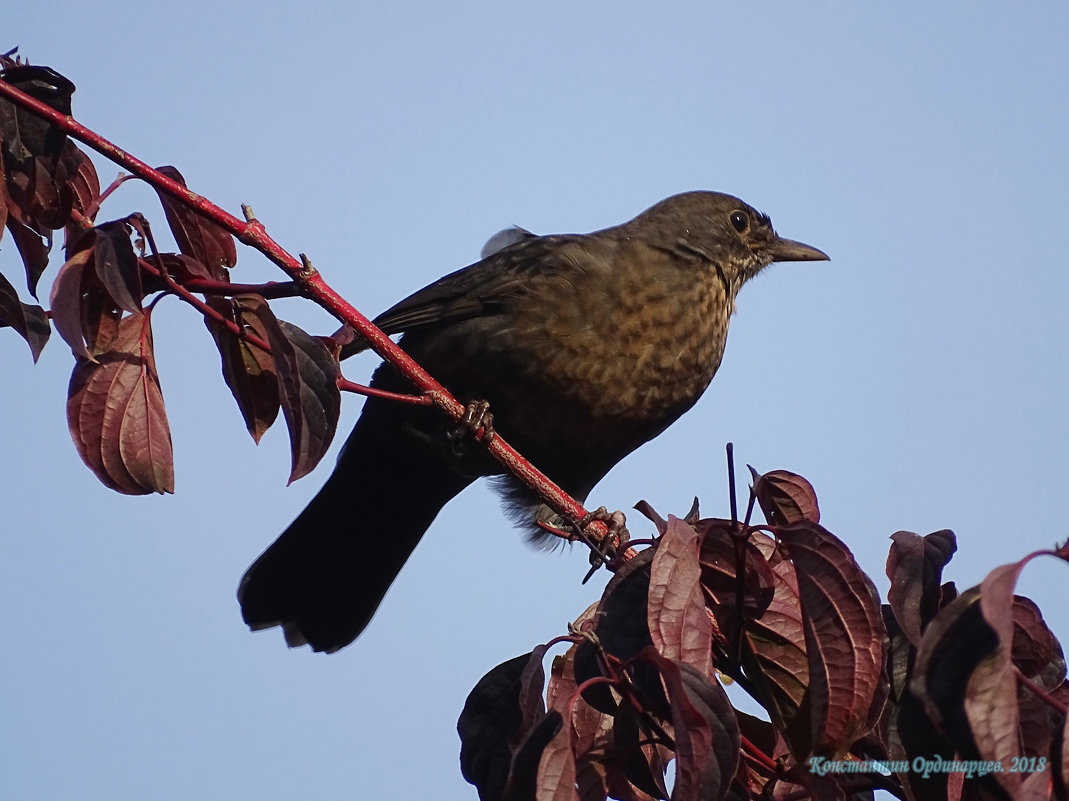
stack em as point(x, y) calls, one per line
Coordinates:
point(475, 425)
point(604, 550)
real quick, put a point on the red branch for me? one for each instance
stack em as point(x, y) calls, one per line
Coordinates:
point(252, 233)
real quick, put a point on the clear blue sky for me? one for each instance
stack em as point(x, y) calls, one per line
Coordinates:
point(918, 379)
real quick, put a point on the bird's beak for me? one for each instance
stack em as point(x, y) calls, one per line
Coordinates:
point(789, 250)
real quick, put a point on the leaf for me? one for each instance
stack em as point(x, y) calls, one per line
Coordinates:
point(196, 235)
point(991, 700)
point(774, 644)
point(603, 760)
point(704, 727)
point(116, 265)
point(67, 298)
point(845, 638)
point(650, 514)
point(1060, 761)
point(80, 176)
point(785, 497)
point(308, 390)
point(719, 556)
point(957, 645)
point(3, 196)
point(184, 268)
point(532, 684)
point(589, 729)
point(26, 136)
point(620, 626)
point(116, 414)
point(523, 779)
point(100, 315)
point(678, 621)
point(490, 718)
point(32, 150)
point(1038, 655)
point(709, 699)
point(915, 568)
point(556, 776)
point(249, 371)
point(32, 247)
point(43, 200)
point(30, 322)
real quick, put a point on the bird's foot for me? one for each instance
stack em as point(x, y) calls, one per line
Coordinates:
point(603, 550)
point(475, 425)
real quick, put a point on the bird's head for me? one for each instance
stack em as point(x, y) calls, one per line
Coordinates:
point(721, 229)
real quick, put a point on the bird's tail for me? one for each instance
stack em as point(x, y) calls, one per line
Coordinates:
point(324, 577)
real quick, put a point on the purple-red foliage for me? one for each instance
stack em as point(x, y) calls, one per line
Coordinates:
point(104, 294)
point(784, 611)
point(112, 269)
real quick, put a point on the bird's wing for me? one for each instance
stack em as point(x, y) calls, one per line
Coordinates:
point(476, 290)
point(473, 291)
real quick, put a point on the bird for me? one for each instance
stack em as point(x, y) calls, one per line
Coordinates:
point(585, 346)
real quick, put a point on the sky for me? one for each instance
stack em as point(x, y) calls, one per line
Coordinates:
point(918, 379)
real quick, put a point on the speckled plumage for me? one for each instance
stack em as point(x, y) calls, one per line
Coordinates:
point(586, 347)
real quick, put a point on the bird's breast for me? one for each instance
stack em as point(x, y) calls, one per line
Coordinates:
point(630, 347)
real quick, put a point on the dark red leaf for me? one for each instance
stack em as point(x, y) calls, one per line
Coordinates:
point(524, 775)
point(538, 751)
point(490, 718)
point(3, 196)
point(1035, 786)
point(1038, 655)
point(590, 730)
point(650, 514)
point(67, 298)
point(33, 149)
point(25, 135)
point(638, 765)
point(196, 235)
point(620, 626)
point(1034, 645)
point(719, 556)
point(116, 414)
point(785, 497)
point(774, 652)
point(116, 265)
point(991, 702)
point(1060, 761)
point(601, 760)
point(30, 322)
point(43, 200)
point(249, 371)
point(529, 697)
point(708, 697)
point(910, 734)
point(80, 176)
point(32, 247)
point(844, 637)
point(915, 567)
point(704, 727)
point(957, 659)
point(556, 778)
point(100, 315)
point(184, 268)
point(308, 390)
point(678, 621)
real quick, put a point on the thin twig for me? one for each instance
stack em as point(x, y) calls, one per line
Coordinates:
point(253, 234)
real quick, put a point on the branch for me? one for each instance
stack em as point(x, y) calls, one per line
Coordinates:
point(252, 233)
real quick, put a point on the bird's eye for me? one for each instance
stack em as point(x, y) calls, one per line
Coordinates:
point(739, 221)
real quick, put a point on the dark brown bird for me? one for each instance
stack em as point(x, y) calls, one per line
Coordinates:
point(585, 345)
